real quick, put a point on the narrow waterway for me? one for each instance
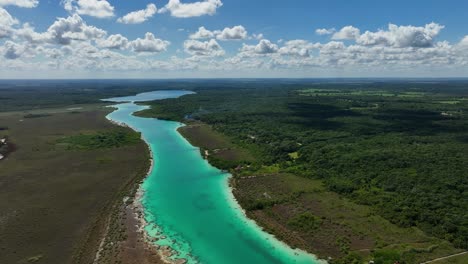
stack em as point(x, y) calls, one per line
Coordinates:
point(188, 204)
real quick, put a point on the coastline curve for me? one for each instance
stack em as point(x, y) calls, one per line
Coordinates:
point(189, 211)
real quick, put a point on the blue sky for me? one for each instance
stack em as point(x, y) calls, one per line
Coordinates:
point(107, 39)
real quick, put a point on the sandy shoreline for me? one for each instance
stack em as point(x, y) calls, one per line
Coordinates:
point(235, 203)
point(137, 212)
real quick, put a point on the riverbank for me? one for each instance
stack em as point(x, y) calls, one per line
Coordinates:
point(70, 192)
point(129, 244)
point(136, 247)
point(297, 210)
point(303, 214)
point(190, 208)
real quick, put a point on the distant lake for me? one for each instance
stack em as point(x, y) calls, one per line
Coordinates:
point(188, 203)
point(149, 96)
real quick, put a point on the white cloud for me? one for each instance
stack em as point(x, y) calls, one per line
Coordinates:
point(13, 50)
point(234, 33)
point(63, 31)
point(325, 31)
point(28, 33)
point(149, 44)
point(52, 53)
point(6, 23)
point(203, 48)
point(195, 9)
point(139, 16)
point(464, 41)
point(258, 36)
point(332, 47)
point(202, 33)
point(347, 33)
point(116, 41)
point(70, 44)
point(298, 48)
point(20, 3)
point(94, 8)
point(402, 36)
point(6, 19)
point(263, 47)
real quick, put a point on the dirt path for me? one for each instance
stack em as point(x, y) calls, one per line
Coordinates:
point(438, 259)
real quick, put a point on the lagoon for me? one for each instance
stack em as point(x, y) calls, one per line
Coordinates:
point(188, 203)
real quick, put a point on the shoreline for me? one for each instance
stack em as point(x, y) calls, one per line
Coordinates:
point(165, 252)
point(235, 203)
point(137, 210)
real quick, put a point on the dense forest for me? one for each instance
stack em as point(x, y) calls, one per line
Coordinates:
point(400, 147)
point(19, 95)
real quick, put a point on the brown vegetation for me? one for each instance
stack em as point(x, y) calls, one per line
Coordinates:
point(55, 202)
point(302, 213)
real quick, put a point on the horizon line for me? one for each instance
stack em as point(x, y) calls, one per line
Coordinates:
point(236, 78)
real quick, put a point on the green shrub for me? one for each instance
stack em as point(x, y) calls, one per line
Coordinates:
point(306, 222)
point(107, 139)
point(386, 257)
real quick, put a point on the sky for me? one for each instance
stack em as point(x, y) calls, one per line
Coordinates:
point(160, 39)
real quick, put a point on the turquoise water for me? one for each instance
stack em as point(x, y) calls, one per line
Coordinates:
point(188, 204)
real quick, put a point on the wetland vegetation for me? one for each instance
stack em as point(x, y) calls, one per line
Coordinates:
point(348, 169)
point(394, 152)
point(55, 197)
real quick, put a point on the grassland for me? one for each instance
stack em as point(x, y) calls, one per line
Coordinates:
point(221, 151)
point(303, 213)
point(56, 199)
point(460, 259)
point(66, 172)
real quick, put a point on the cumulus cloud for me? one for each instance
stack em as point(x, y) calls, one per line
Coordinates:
point(402, 36)
point(203, 48)
point(6, 19)
point(263, 47)
point(20, 3)
point(149, 44)
point(202, 33)
point(195, 9)
point(94, 8)
point(28, 33)
point(63, 31)
point(332, 48)
point(12, 50)
point(6, 23)
point(139, 16)
point(464, 41)
point(52, 53)
point(116, 41)
point(234, 33)
point(347, 33)
point(71, 44)
point(298, 48)
point(325, 31)
point(258, 36)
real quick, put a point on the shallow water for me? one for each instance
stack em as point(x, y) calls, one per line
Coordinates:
point(188, 203)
